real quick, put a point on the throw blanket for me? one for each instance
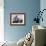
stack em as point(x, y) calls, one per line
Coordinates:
point(26, 41)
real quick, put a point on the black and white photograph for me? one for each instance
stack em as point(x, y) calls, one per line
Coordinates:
point(17, 18)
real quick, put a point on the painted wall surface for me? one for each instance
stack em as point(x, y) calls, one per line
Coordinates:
point(29, 7)
point(1, 20)
point(43, 6)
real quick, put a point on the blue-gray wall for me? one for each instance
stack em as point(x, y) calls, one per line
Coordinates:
point(43, 6)
point(30, 7)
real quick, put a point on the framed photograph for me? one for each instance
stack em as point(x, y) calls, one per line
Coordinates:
point(17, 19)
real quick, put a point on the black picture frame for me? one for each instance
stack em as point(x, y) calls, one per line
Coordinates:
point(17, 19)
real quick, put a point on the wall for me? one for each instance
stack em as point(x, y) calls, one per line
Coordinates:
point(1, 21)
point(43, 6)
point(30, 7)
